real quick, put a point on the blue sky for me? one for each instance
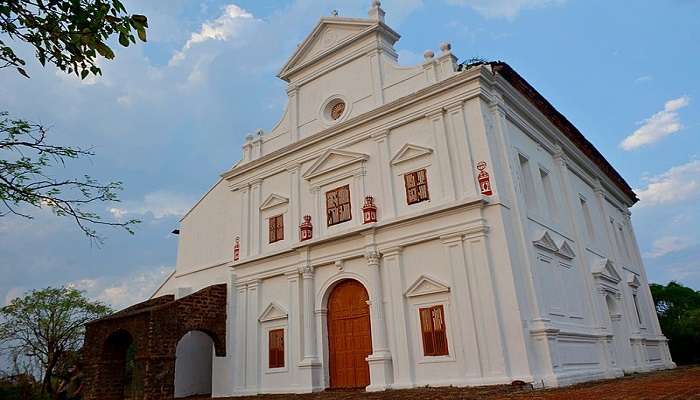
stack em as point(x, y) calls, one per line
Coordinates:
point(168, 116)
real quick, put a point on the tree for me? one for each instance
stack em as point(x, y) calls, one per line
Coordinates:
point(47, 326)
point(67, 33)
point(678, 309)
point(72, 35)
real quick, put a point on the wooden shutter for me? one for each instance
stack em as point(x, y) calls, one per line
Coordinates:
point(276, 348)
point(416, 186)
point(432, 321)
point(276, 228)
point(338, 207)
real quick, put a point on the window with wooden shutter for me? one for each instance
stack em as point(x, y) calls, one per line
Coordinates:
point(276, 349)
point(338, 205)
point(276, 228)
point(416, 186)
point(432, 322)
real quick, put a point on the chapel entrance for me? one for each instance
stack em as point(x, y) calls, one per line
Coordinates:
point(349, 335)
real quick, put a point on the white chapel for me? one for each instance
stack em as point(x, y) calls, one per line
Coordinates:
point(402, 226)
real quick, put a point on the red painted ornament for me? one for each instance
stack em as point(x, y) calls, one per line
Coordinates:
point(369, 210)
point(306, 229)
point(484, 179)
point(237, 249)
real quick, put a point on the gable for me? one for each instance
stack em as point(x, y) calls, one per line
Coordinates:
point(332, 34)
point(332, 160)
point(605, 269)
point(546, 242)
point(425, 285)
point(273, 200)
point(273, 312)
point(566, 251)
point(409, 152)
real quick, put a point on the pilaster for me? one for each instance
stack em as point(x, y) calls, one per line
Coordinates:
point(402, 359)
point(252, 368)
point(241, 354)
point(255, 237)
point(380, 367)
point(293, 110)
point(294, 199)
point(437, 121)
point(388, 201)
point(310, 367)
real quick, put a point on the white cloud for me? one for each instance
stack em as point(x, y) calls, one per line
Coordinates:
point(644, 78)
point(508, 9)
point(658, 126)
point(678, 184)
point(121, 292)
point(160, 204)
point(669, 244)
point(228, 25)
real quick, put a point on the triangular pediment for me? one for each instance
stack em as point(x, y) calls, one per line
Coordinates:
point(332, 160)
point(546, 242)
point(273, 200)
point(409, 152)
point(605, 269)
point(329, 35)
point(426, 285)
point(633, 280)
point(273, 312)
point(565, 250)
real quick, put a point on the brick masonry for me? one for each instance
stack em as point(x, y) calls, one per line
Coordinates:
point(154, 327)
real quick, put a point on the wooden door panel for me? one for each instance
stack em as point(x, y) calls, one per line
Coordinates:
point(350, 340)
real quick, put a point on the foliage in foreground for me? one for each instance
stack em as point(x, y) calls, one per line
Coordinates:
point(678, 309)
point(46, 328)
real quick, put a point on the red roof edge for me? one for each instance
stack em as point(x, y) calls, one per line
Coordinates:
point(563, 124)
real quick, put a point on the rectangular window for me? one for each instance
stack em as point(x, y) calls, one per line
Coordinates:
point(276, 349)
point(276, 228)
point(338, 205)
point(549, 193)
point(636, 307)
point(527, 183)
point(587, 217)
point(416, 186)
point(432, 322)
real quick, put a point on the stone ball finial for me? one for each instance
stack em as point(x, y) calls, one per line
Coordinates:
point(428, 55)
point(445, 47)
point(376, 3)
point(249, 138)
point(334, 13)
point(259, 132)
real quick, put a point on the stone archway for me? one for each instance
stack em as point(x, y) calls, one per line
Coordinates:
point(193, 364)
point(349, 335)
point(154, 327)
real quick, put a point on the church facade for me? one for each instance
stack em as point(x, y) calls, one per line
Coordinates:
point(403, 226)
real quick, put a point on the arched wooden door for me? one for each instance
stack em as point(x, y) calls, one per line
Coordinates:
point(349, 335)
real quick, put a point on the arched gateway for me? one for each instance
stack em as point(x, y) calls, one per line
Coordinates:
point(131, 355)
point(349, 335)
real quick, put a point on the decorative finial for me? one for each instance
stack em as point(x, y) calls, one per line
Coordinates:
point(249, 138)
point(445, 47)
point(376, 13)
point(428, 55)
point(334, 13)
point(259, 132)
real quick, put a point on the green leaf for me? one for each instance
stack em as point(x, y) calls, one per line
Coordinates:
point(123, 39)
point(23, 72)
point(142, 34)
point(84, 73)
point(104, 50)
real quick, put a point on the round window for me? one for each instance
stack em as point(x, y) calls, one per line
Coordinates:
point(337, 110)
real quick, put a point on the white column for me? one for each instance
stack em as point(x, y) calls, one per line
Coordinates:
point(309, 367)
point(486, 314)
point(293, 110)
point(294, 345)
point(252, 342)
point(240, 352)
point(387, 202)
point(255, 216)
point(465, 164)
point(402, 360)
point(294, 200)
point(380, 368)
point(245, 223)
point(471, 357)
point(375, 63)
point(437, 121)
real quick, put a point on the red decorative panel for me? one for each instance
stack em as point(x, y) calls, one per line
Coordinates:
point(338, 205)
point(416, 186)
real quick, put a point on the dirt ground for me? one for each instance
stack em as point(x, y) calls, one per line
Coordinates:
point(682, 383)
